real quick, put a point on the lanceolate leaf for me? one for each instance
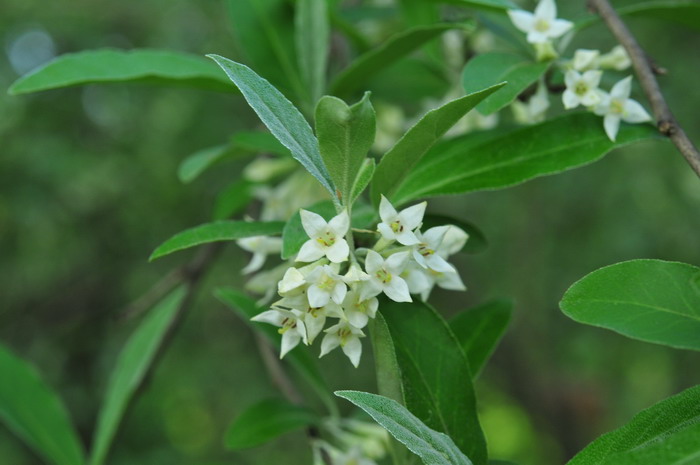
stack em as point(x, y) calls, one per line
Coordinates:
point(399, 161)
point(487, 68)
point(198, 162)
point(433, 447)
point(502, 160)
point(265, 421)
point(650, 300)
point(364, 67)
point(215, 232)
point(233, 199)
point(281, 117)
point(386, 364)
point(345, 135)
point(312, 38)
point(132, 366)
point(480, 329)
point(672, 424)
point(108, 65)
point(437, 382)
point(35, 413)
point(487, 5)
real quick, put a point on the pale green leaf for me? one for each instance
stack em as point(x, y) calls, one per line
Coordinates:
point(233, 199)
point(216, 232)
point(399, 161)
point(504, 159)
point(433, 447)
point(131, 368)
point(198, 162)
point(35, 413)
point(265, 421)
point(651, 300)
point(281, 117)
point(364, 177)
point(108, 65)
point(487, 68)
point(385, 362)
point(312, 36)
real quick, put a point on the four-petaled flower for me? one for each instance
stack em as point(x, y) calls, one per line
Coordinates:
point(260, 247)
point(326, 238)
point(384, 276)
point(618, 106)
point(290, 323)
point(358, 311)
point(347, 337)
point(399, 226)
point(324, 285)
point(425, 252)
point(581, 89)
point(541, 26)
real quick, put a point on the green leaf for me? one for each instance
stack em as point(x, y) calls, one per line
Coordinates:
point(433, 447)
point(281, 117)
point(650, 300)
point(107, 65)
point(294, 236)
point(367, 65)
point(680, 448)
point(265, 421)
point(435, 375)
point(477, 241)
point(480, 329)
point(487, 68)
point(233, 199)
point(503, 160)
point(215, 232)
point(686, 12)
point(198, 162)
point(301, 360)
point(399, 161)
point(35, 413)
point(131, 368)
point(345, 135)
point(259, 142)
point(385, 362)
point(312, 39)
point(364, 177)
point(650, 430)
point(484, 5)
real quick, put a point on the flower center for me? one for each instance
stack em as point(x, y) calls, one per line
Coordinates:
point(384, 276)
point(617, 106)
point(344, 334)
point(327, 239)
point(581, 88)
point(425, 251)
point(287, 324)
point(541, 25)
point(313, 311)
point(396, 226)
point(327, 283)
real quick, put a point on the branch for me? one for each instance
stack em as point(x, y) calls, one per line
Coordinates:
point(646, 70)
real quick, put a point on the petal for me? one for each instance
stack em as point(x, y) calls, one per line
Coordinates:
point(314, 326)
point(633, 112)
point(318, 297)
point(339, 291)
point(356, 318)
point(397, 262)
point(591, 98)
point(571, 78)
point(310, 251)
point(387, 212)
point(611, 124)
point(570, 99)
point(407, 238)
point(369, 289)
point(592, 78)
point(412, 217)
point(434, 236)
point(559, 27)
point(386, 231)
point(453, 242)
point(537, 37)
point(290, 339)
point(420, 259)
point(353, 350)
point(546, 10)
point(603, 106)
point(418, 280)
point(270, 316)
point(523, 20)
point(330, 342)
point(255, 264)
point(397, 290)
point(451, 281)
point(621, 90)
point(373, 262)
point(439, 264)
point(313, 224)
point(338, 252)
point(340, 224)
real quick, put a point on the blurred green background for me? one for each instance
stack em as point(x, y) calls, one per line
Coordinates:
point(88, 188)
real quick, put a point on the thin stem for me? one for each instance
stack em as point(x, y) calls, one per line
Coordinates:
point(646, 72)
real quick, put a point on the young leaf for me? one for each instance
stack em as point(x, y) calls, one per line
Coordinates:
point(503, 160)
point(432, 447)
point(479, 330)
point(281, 117)
point(648, 429)
point(477, 241)
point(265, 421)
point(487, 68)
point(345, 135)
point(107, 65)
point(399, 161)
point(364, 177)
point(132, 365)
point(365, 66)
point(312, 38)
point(435, 373)
point(233, 199)
point(651, 300)
point(35, 413)
point(301, 360)
point(215, 232)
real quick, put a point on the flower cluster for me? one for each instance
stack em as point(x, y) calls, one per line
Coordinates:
point(582, 74)
point(343, 284)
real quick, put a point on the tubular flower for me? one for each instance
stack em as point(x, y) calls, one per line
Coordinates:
point(326, 238)
point(347, 337)
point(399, 226)
point(384, 276)
point(581, 89)
point(324, 285)
point(425, 252)
point(542, 25)
point(618, 106)
point(290, 323)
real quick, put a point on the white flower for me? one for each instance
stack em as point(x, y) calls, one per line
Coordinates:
point(453, 242)
point(325, 238)
point(355, 275)
point(400, 226)
point(542, 25)
point(385, 276)
point(585, 59)
point(358, 310)
point(581, 89)
point(325, 285)
point(260, 247)
point(291, 326)
point(347, 337)
point(616, 59)
point(314, 318)
point(292, 283)
point(354, 456)
point(425, 253)
point(618, 106)
point(421, 281)
point(535, 110)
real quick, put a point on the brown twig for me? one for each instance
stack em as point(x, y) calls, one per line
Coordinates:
point(646, 71)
